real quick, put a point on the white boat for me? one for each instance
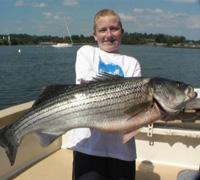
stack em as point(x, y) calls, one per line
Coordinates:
point(64, 45)
point(164, 151)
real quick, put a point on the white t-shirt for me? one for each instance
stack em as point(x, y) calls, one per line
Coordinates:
point(90, 62)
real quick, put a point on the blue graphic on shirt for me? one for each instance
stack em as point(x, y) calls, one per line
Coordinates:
point(110, 68)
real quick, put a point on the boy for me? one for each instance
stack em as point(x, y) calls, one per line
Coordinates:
point(97, 152)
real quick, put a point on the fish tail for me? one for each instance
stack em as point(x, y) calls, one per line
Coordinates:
point(9, 146)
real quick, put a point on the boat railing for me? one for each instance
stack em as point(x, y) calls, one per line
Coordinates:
point(29, 152)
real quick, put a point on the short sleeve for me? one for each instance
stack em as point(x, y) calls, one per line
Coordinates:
point(84, 64)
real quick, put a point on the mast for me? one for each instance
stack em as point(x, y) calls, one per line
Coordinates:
point(68, 30)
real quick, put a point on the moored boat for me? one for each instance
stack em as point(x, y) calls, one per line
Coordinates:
point(64, 45)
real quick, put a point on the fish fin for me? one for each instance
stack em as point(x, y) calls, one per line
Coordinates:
point(9, 146)
point(11, 153)
point(126, 137)
point(106, 76)
point(46, 139)
point(102, 77)
point(132, 111)
point(50, 92)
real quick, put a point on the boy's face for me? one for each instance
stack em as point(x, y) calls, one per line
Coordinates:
point(108, 34)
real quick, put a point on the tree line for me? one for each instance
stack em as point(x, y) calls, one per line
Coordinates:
point(128, 38)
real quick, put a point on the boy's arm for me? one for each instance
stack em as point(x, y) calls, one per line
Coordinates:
point(84, 65)
point(134, 69)
point(137, 71)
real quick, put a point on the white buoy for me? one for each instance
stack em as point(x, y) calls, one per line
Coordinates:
point(19, 50)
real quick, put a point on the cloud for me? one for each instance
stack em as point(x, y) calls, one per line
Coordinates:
point(19, 3)
point(125, 17)
point(160, 21)
point(47, 14)
point(38, 5)
point(154, 11)
point(184, 1)
point(57, 17)
point(192, 22)
point(73, 3)
point(138, 10)
point(33, 4)
point(19, 29)
point(42, 28)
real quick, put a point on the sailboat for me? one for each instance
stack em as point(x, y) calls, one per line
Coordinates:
point(64, 45)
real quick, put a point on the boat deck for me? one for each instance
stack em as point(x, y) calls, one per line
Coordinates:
point(163, 151)
point(59, 166)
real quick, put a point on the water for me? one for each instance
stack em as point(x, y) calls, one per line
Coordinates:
point(22, 75)
point(178, 64)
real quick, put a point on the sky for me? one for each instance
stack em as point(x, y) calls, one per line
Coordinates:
point(46, 17)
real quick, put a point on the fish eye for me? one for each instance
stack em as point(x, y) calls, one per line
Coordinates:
point(179, 84)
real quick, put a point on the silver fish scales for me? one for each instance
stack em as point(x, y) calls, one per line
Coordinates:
point(111, 103)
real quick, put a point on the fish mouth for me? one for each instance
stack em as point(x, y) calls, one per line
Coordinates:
point(191, 94)
point(164, 109)
point(164, 115)
point(159, 107)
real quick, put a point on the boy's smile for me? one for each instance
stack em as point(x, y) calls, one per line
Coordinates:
point(108, 34)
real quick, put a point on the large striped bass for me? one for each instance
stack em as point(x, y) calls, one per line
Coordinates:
point(111, 103)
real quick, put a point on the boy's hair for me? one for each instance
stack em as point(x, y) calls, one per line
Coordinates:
point(106, 12)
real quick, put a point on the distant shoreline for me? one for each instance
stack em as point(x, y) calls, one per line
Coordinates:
point(160, 40)
point(187, 46)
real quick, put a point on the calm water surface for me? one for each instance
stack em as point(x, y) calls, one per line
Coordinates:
point(22, 75)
